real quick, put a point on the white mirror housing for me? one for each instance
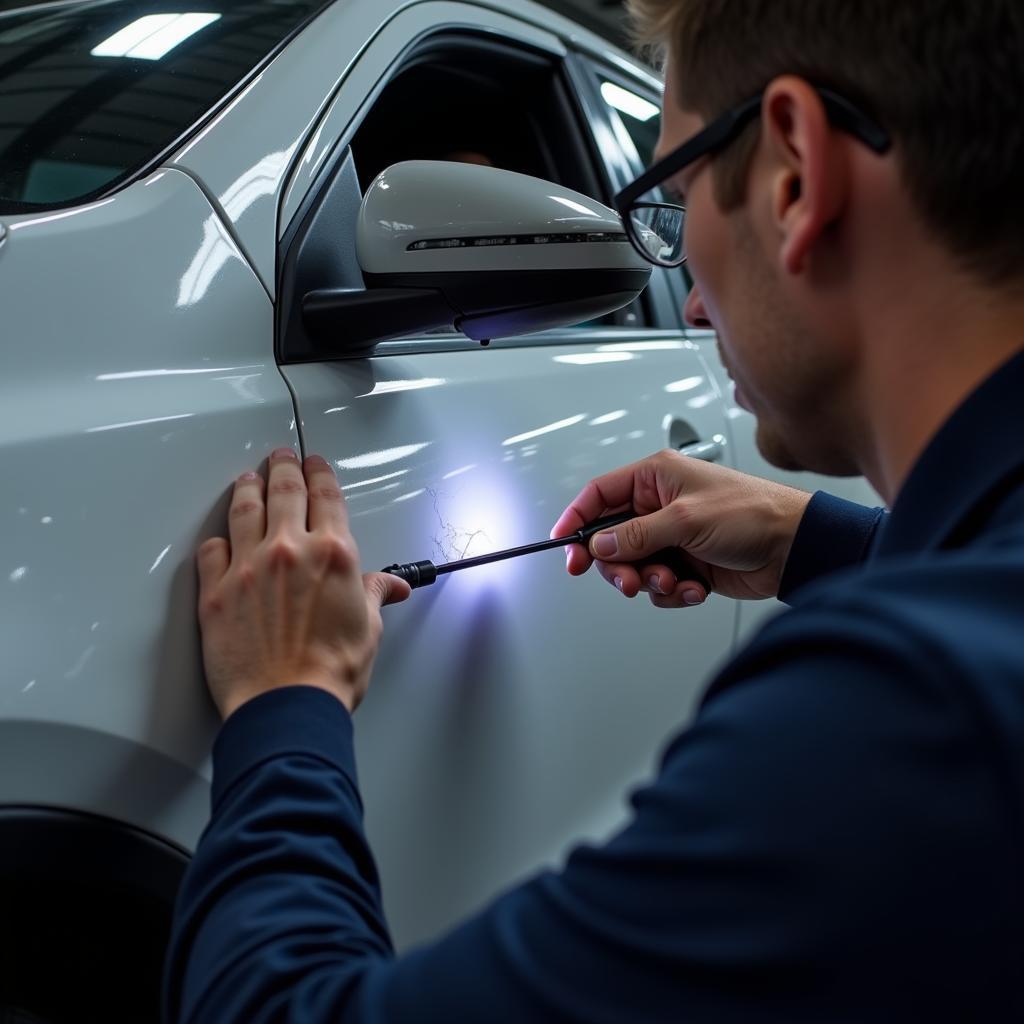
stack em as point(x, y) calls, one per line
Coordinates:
point(487, 251)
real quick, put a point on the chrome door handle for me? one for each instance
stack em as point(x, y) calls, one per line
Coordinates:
point(709, 451)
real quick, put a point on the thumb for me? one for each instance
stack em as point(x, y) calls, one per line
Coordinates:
point(383, 588)
point(640, 537)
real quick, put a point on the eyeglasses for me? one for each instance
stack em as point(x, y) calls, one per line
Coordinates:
point(656, 228)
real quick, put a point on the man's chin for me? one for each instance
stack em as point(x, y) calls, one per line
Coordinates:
point(775, 451)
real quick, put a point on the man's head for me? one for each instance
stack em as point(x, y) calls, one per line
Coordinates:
point(798, 235)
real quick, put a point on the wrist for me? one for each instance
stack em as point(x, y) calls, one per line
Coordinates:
point(230, 703)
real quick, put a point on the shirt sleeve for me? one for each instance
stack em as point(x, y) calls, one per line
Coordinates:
point(833, 534)
point(790, 862)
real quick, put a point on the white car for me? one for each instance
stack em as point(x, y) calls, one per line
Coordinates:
point(174, 186)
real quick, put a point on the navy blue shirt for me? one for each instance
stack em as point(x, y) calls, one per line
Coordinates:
point(837, 837)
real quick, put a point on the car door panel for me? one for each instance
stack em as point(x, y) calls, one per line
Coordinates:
point(511, 703)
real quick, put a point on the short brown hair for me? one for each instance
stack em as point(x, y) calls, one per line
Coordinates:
point(944, 77)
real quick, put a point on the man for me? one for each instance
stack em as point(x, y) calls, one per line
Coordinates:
point(838, 837)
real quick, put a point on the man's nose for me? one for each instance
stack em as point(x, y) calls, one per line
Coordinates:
point(694, 312)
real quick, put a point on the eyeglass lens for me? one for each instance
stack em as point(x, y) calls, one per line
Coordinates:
point(658, 230)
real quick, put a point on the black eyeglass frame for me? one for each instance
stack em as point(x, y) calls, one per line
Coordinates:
point(715, 136)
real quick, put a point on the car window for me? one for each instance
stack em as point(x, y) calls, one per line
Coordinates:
point(93, 91)
point(636, 114)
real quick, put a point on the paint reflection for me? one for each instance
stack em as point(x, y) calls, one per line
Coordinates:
point(571, 421)
point(608, 417)
point(260, 180)
point(592, 358)
point(215, 250)
point(381, 457)
point(686, 384)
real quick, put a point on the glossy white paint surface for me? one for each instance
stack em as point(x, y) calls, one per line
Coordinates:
point(511, 705)
point(423, 201)
point(141, 380)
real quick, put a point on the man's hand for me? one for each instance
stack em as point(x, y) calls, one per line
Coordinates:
point(283, 602)
point(736, 529)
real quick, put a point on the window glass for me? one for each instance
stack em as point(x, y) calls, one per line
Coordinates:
point(638, 115)
point(92, 91)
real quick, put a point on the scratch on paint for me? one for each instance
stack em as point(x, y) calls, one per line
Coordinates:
point(451, 543)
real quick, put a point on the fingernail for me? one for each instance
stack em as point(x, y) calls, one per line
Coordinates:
point(250, 475)
point(692, 597)
point(284, 453)
point(654, 583)
point(605, 544)
point(618, 583)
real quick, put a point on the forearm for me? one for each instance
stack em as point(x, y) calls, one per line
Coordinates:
point(283, 881)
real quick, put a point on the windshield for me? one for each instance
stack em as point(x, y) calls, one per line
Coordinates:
point(94, 90)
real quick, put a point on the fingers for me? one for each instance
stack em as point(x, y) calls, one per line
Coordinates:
point(212, 561)
point(686, 594)
point(666, 589)
point(327, 509)
point(614, 490)
point(286, 493)
point(642, 536)
point(383, 588)
point(247, 514)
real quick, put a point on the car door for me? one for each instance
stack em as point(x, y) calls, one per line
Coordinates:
point(512, 706)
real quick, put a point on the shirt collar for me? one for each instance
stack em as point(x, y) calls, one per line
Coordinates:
point(960, 473)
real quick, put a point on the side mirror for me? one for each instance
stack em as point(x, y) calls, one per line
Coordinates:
point(486, 251)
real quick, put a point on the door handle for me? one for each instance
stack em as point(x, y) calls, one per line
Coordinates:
point(708, 451)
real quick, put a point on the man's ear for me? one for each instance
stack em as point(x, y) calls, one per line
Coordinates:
point(809, 176)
